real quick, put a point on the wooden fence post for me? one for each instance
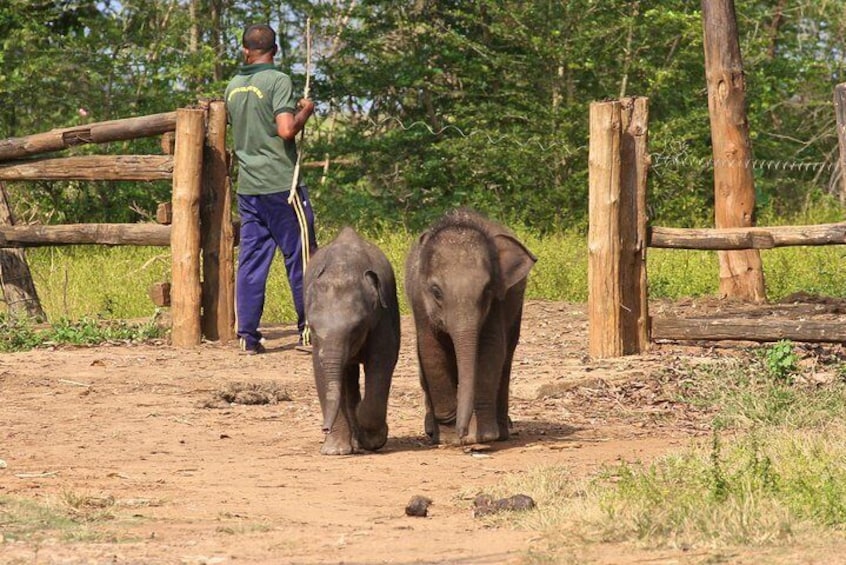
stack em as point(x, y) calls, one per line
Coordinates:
point(840, 113)
point(618, 315)
point(741, 272)
point(604, 284)
point(185, 231)
point(218, 241)
point(634, 170)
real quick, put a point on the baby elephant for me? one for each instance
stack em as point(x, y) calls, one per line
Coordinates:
point(351, 307)
point(465, 280)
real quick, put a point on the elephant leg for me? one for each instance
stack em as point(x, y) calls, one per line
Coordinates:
point(342, 439)
point(484, 426)
point(439, 380)
point(513, 316)
point(379, 362)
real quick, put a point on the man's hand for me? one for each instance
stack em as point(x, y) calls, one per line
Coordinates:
point(289, 125)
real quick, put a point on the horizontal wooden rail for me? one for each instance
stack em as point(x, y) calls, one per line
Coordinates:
point(85, 234)
point(91, 168)
point(99, 132)
point(758, 329)
point(747, 238)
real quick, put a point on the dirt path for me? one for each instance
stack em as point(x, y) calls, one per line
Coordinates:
point(188, 478)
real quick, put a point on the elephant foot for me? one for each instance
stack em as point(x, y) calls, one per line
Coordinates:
point(334, 445)
point(483, 432)
point(371, 440)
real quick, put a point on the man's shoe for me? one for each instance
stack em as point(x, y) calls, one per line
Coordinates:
point(303, 348)
point(259, 348)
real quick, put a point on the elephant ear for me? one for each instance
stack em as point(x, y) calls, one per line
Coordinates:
point(373, 279)
point(515, 261)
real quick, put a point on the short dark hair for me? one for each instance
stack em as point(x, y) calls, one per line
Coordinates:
point(260, 37)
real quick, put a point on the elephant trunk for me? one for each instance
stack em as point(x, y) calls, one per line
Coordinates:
point(466, 351)
point(332, 395)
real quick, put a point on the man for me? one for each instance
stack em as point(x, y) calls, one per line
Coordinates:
point(265, 121)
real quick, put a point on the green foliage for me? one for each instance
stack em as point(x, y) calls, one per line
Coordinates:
point(748, 394)
point(759, 489)
point(781, 361)
point(19, 335)
point(426, 106)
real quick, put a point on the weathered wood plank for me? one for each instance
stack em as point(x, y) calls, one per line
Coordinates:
point(748, 238)
point(85, 234)
point(760, 330)
point(91, 168)
point(99, 132)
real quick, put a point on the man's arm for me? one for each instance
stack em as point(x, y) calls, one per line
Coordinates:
point(289, 125)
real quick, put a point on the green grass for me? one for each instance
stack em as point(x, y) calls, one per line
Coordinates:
point(113, 283)
point(73, 517)
point(771, 474)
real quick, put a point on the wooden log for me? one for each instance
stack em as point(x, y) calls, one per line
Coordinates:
point(748, 238)
point(185, 231)
point(634, 163)
point(85, 234)
point(604, 284)
point(760, 330)
point(91, 167)
point(164, 213)
point(741, 272)
point(217, 239)
point(160, 294)
point(840, 114)
point(19, 291)
point(99, 132)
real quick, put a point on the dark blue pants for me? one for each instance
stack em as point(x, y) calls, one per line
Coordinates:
point(268, 222)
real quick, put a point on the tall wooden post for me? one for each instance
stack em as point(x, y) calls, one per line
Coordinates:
point(741, 273)
point(185, 230)
point(604, 285)
point(840, 113)
point(217, 240)
point(618, 317)
point(633, 224)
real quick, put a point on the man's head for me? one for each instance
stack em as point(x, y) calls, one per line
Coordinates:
point(260, 40)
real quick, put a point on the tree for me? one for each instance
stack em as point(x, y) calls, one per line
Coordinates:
point(741, 272)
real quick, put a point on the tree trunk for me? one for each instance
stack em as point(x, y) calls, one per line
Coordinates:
point(18, 288)
point(741, 274)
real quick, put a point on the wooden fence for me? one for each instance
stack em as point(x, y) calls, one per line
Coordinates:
point(199, 233)
point(618, 238)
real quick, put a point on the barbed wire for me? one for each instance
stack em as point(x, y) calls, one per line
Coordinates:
point(661, 160)
point(682, 159)
point(491, 139)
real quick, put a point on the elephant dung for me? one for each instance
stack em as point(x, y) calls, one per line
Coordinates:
point(484, 504)
point(418, 506)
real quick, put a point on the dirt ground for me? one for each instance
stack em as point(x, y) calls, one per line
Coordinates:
point(188, 477)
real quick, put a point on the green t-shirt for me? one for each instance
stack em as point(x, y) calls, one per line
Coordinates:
point(254, 97)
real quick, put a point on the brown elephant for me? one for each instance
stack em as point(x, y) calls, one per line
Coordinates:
point(465, 280)
point(352, 310)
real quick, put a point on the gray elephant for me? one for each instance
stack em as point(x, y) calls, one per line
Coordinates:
point(465, 281)
point(352, 310)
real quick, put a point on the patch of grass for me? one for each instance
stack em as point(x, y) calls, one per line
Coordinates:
point(750, 393)
point(20, 335)
point(112, 283)
point(772, 474)
point(73, 518)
